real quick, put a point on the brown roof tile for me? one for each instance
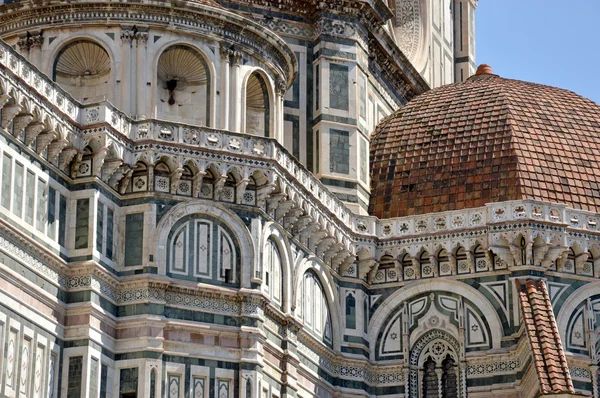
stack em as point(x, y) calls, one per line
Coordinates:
point(487, 139)
point(548, 355)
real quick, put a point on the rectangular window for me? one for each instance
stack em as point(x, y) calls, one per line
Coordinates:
point(99, 227)
point(29, 197)
point(6, 180)
point(103, 380)
point(82, 218)
point(134, 238)
point(52, 375)
point(318, 152)
point(42, 199)
point(51, 213)
point(128, 382)
point(75, 377)
point(18, 190)
point(363, 159)
point(363, 96)
point(339, 151)
point(62, 221)
point(338, 87)
point(109, 233)
point(94, 378)
point(317, 87)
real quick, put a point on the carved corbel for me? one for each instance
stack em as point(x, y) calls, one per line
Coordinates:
point(4, 98)
point(291, 218)
point(284, 207)
point(218, 186)
point(434, 263)
point(75, 164)
point(343, 261)
point(56, 147)
point(65, 157)
point(539, 252)
point(274, 200)
point(43, 140)
point(98, 161)
point(175, 177)
point(365, 266)
point(555, 253)
point(580, 261)
point(109, 168)
point(8, 114)
point(125, 181)
point(315, 238)
point(263, 193)
point(308, 230)
point(197, 183)
point(504, 253)
point(241, 189)
point(416, 266)
point(324, 244)
point(20, 122)
point(301, 223)
point(32, 131)
point(332, 252)
point(515, 252)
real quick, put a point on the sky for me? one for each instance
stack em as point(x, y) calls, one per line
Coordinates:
point(542, 41)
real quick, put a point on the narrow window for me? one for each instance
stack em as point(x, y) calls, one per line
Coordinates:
point(350, 312)
point(30, 197)
point(82, 224)
point(134, 237)
point(99, 227)
point(6, 180)
point(62, 220)
point(18, 190)
point(109, 233)
point(42, 198)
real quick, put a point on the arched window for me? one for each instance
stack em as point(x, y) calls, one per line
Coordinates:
point(449, 378)
point(523, 246)
point(350, 311)
point(183, 86)
point(366, 315)
point(588, 267)
point(426, 267)
point(202, 248)
point(430, 380)
point(407, 268)
point(153, 383)
point(83, 69)
point(162, 177)
point(479, 258)
point(257, 106)
point(443, 263)
point(462, 265)
point(273, 272)
point(248, 388)
point(139, 178)
point(185, 185)
point(313, 308)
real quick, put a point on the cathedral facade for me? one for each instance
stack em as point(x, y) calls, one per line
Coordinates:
point(277, 199)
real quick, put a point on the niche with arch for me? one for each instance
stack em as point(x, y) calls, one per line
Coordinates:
point(202, 248)
point(83, 68)
point(257, 106)
point(183, 86)
point(312, 308)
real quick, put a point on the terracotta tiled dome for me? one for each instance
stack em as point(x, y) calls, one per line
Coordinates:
point(488, 139)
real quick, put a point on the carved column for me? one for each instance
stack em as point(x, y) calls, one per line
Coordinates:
point(126, 85)
point(141, 41)
point(235, 93)
point(280, 89)
point(225, 90)
point(594, 372)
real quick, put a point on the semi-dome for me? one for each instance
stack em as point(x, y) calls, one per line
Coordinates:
point(488, 139)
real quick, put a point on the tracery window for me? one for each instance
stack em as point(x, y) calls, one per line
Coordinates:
point(202, 248)
point(313, 308)
point(350, 311)
point(273, 272)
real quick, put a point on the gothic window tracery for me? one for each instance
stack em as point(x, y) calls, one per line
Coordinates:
point(443, 263)
point(139, 177)
point(313, 308)
point(426, 266)
point(162, 180)
point(273, 272)
point(202, 248)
